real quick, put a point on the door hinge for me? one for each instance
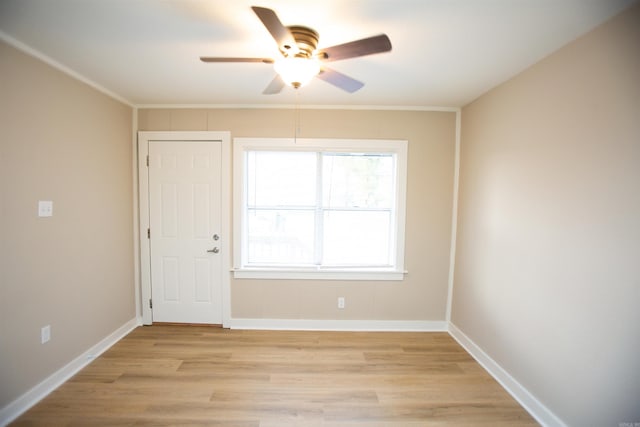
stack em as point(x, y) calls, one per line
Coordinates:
point(148, 233)
point(150, 303)
point(147, 161)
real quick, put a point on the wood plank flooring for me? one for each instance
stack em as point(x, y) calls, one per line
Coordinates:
point(204, 376)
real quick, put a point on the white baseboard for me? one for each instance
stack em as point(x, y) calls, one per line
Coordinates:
point(40, 391)
point(339, 325)
point(541, 413)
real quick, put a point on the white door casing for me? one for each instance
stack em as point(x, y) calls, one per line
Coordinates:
point(184, 205)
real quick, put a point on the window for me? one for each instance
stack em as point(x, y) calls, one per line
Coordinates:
point(319, 208)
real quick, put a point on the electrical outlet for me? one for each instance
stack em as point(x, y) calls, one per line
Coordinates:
point(45, 208)
point(341, 302)
point(45, 334)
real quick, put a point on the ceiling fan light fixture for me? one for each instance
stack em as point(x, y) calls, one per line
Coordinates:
point(301, 58)
point(297, 71)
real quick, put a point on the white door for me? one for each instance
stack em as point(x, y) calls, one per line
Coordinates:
point(184, 219)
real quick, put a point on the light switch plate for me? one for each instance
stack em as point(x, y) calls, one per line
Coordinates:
point(45, 208)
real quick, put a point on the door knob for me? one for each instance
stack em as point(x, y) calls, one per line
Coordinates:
point(216, 237)
point(214, 250)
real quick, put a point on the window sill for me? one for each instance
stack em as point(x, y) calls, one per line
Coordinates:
point(333, 274)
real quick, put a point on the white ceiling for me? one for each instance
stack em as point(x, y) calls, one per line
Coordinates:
point(445, 52)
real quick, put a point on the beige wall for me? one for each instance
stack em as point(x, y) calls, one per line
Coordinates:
point(423, 293)
point(547, 278)
point(65, 142)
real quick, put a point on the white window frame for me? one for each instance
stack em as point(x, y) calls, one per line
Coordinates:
point(243, 145)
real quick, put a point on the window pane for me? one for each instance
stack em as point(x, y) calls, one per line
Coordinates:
point(280, 237)
point(280, 178)
point(356, 238)
point(357, 180)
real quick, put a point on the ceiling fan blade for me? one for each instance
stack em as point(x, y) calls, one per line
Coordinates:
point(276, 85)
point(279, 32)
point(368, 46)
point(340, 80)
point(224, 59)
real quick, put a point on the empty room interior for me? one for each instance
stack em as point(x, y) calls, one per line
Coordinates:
point(438, 225)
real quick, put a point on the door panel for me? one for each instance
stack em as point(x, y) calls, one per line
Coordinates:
point(184, 215)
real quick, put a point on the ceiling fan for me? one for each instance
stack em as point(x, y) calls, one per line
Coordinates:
point(302, 60)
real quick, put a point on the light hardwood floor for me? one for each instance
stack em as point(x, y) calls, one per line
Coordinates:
point(205, 376)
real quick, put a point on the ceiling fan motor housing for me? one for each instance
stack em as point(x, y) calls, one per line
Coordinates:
point(306, 40)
